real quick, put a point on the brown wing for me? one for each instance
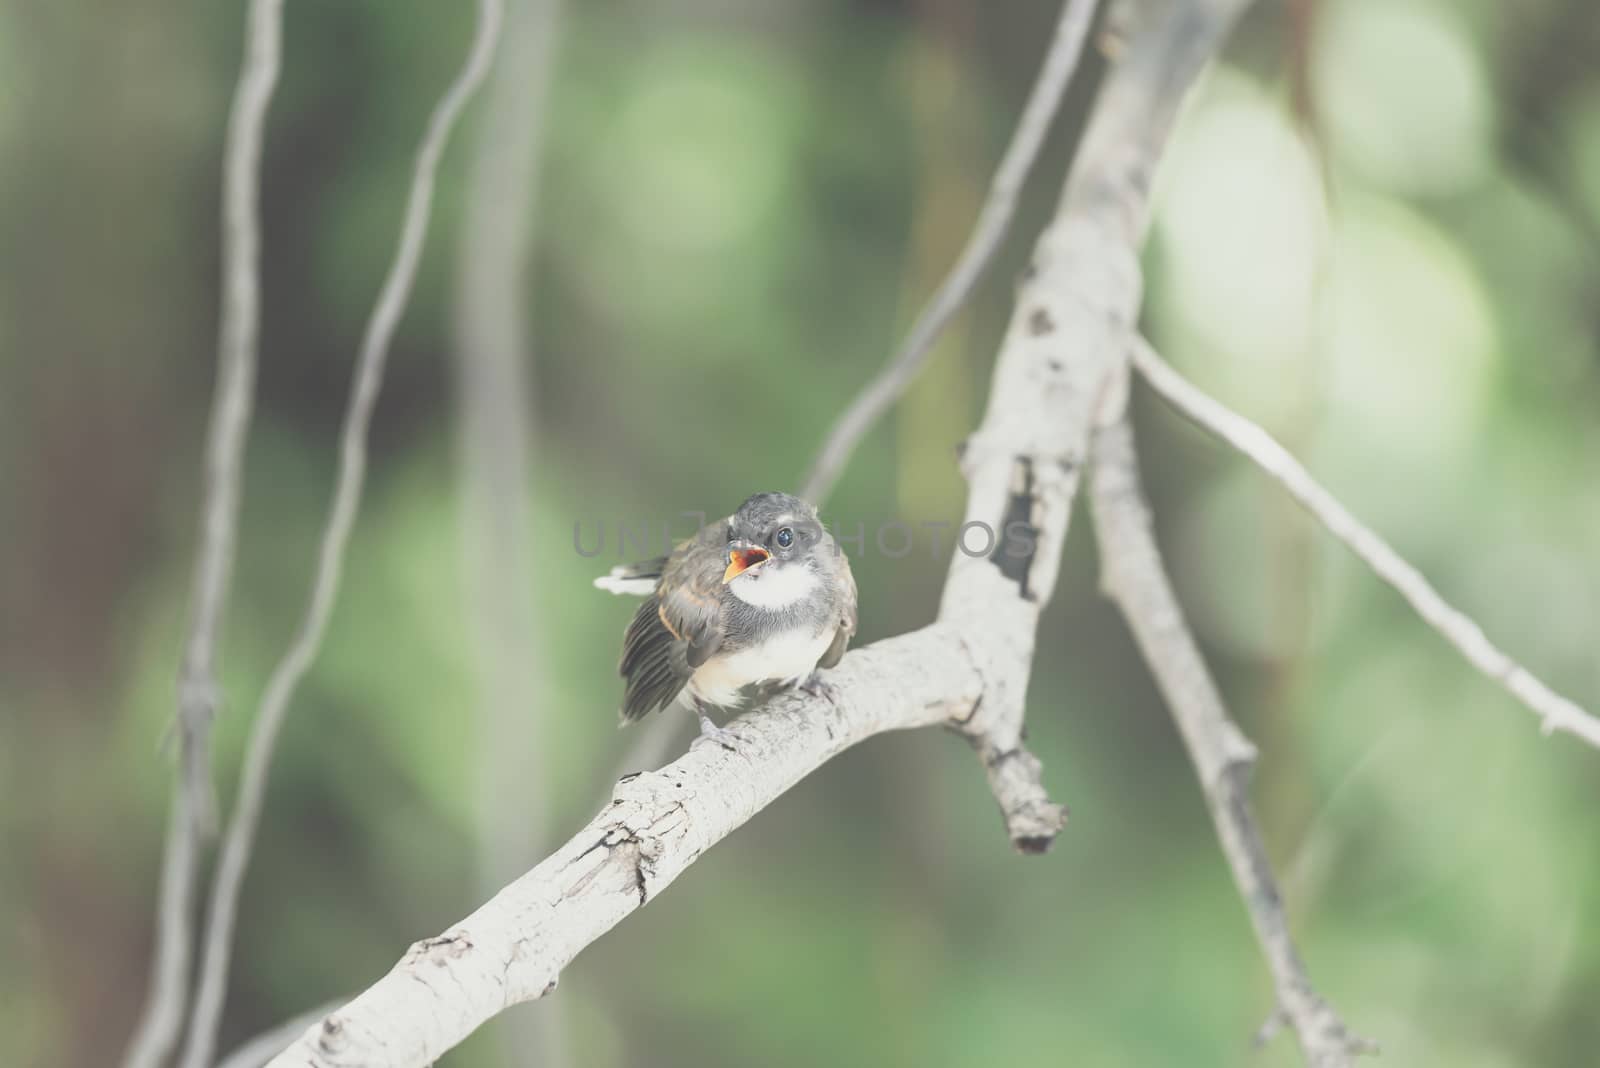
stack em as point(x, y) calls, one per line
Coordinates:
point(676, 629)
point(847, 615)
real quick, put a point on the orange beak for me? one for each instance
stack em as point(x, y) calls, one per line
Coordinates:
point(742, 558)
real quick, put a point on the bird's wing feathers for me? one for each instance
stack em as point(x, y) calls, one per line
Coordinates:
point(847, 615)
point(653, 663)
point(675, 630)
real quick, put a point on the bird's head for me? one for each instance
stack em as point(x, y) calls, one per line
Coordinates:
point(772, 535)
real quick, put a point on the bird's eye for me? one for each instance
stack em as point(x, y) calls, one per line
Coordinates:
point(785, 538)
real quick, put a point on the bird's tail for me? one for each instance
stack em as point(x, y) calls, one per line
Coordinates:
point(637, 580)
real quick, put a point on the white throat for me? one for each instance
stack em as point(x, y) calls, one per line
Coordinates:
point(775, 590)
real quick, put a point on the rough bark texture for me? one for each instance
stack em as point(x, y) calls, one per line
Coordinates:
point(656, 825)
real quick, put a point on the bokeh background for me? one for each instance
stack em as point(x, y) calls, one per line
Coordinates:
point(1377, 235)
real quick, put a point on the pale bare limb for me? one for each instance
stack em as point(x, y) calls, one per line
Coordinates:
point(193, 815)
point(1555, 712)
point(257, 1051)
point(1134, 576)
point(239, 840)
point(968, 671)
point(160, 1020)
point(994, 220)
point(656, 825)
point(1064, 351)
point(496, 435)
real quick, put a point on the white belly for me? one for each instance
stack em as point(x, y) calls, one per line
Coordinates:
point(788, 657)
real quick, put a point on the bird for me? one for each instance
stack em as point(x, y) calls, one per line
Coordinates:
point(764, 596)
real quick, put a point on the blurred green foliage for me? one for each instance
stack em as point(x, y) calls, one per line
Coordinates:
point(741, 206)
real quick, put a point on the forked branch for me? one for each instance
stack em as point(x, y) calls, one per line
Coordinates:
point(1134, 576)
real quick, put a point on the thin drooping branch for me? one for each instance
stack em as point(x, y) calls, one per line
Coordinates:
point(494, 424)
point(240, 838)
point(1134, 576)
point(193, 817)
point(994, 221)
point(1555, 712)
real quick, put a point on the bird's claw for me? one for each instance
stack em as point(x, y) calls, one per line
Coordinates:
point(817, 686)
point(713, 734)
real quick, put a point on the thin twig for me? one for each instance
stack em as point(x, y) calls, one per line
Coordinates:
point(1134, 576)
point(257, 1051)
point(994, 220)
point(156, 1033)
point(496, 436)
point(240, 838)
point(193, 815)
point(1555, 712)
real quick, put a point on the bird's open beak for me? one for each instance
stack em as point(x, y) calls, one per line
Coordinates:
point(742, 557)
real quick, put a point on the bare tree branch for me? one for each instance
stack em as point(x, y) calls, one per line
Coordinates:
point(1065, 350)
point(212, 987)
point(1555, 712)
point(495, 427)
point(193, 815)
point(156, 1033)
point(968, 671)
point(1134, 576)
point(993, 222)
point(656, 825)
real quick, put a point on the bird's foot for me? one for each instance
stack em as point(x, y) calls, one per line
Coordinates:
point(712, 734)
point(817, 686)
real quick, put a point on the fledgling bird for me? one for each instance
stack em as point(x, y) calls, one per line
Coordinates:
point(764, 596)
